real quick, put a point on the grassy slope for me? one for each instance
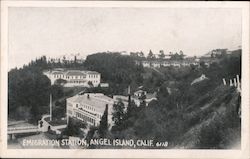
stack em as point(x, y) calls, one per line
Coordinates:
point(217, 124)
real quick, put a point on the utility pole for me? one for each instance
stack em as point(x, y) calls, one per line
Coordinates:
point(50, 106)
point(129, 95)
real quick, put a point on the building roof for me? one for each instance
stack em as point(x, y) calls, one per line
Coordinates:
point(97, 100)
point(70, 72)
point(75, 73)
point(140, 91)
point(151, 95)
point(92, 72)
point(120, 97)
point(57, 72)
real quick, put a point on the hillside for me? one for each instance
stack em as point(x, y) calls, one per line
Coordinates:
point(210, 121)
point(218, 122)
point(202, 115)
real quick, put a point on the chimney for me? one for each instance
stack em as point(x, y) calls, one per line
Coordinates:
point(129, 95)
point(107, 107)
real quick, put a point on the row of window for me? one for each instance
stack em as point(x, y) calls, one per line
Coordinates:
point(90, 108)
point(95, 81)
point(76, 81)
point(86, 107)
point(85, 118)
point(74, 77)
point(93, 76)
point(69, 77)
point(87, 111)
point(167, 64)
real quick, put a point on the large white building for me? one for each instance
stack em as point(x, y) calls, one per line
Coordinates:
point(89, 107)
point(74, 77)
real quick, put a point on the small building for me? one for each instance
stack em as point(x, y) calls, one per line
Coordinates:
point(105, 85)
point(57, 126)
point(139, 93)
point(136, 98)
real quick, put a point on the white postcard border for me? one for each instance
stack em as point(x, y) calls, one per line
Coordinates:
point(117, 153)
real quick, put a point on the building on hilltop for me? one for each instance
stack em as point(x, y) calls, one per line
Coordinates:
point(74, 78)
point(89, 107)
point(167, 63)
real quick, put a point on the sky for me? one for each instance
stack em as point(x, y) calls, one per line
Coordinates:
point(36, 31)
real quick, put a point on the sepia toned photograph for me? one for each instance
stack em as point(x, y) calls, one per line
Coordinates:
point(116, 77)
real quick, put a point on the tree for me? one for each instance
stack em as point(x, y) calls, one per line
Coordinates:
point(90, 84)
point(141, 54)
point(29, 89)
point(223, 52)
point(75, 59)
point(142, 101)
point(161, 55)
point(212, 55)
point(56, 91)
point(60, 82)
point(103, 127)
point(131, 109)
point(150, 55)
point(117, 70)
point(181, 55)
point(118, 115)
point(59, 109)
point(74, 127)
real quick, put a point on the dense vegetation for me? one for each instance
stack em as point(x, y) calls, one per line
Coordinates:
point(117, 70)
point(204, 112)
point(203, 115)
point(29, 91)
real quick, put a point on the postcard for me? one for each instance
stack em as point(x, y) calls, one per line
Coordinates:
point(124, 79)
